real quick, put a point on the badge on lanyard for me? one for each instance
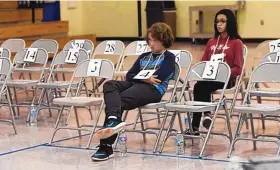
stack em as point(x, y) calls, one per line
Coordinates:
point(146, 74)
point(211, 67)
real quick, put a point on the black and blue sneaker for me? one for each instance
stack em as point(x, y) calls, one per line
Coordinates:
point(113, 126)
point(103, 153)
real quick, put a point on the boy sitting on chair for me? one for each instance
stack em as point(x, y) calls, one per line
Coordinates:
point(146, 82)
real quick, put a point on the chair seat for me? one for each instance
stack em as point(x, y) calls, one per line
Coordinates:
point(258, 108)
point(171, 87)
point(57, 84)
point(21, 83)
point(64, 70)
point(227, 91)
point(191, 106)
point(120, 73)
point(29, 69)
point(155, 105)
point(265, 92)
point(77, 101)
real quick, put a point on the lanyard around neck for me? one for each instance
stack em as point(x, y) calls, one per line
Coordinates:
point(218, 43)
point(150, 57)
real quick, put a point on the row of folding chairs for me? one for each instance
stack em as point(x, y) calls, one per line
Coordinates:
point(193, 74)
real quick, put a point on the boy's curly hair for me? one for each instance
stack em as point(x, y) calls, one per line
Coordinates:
point(161, 32)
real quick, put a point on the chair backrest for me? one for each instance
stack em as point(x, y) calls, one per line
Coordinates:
point(132, 51)
point(104, 70)
point(50, 45)
point(223, 73)
point(266, 72)
point(6, 53)
point(183, 57)
point(136, 48)
point(85, 44)
point(40, 58)
point(5, 66)
point(269, 57)
point(14, 45)
point(110, 49)
point(5, 72)
point(61, 57)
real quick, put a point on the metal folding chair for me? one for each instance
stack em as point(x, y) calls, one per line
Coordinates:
point(53, 86)
point(156, 106)
point(265, 72)
point(14, 45)
point(23, 63)
point(111, 50)
point(86, 69)
point(5, 73)
point(223, 75)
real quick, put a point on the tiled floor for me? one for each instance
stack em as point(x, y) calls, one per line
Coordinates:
point(29, 149)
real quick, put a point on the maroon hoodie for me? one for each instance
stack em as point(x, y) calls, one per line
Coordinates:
point(233, 51)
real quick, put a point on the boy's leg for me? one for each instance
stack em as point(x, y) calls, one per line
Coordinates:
point(112, 99)
point(112, 90)
point(138, 95)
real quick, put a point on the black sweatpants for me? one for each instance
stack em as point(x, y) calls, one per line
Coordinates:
point(202, 92)
point(124, 95)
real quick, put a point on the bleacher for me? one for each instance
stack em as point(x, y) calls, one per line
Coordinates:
point(17, 23)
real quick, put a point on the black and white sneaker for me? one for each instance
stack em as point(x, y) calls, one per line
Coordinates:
point(195, 132)
point(207, 122)
point(113, 126)
point(103, 153)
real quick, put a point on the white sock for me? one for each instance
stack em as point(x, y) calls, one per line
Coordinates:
point(112, 117)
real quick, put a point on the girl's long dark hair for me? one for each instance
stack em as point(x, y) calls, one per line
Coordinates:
point(231, 24)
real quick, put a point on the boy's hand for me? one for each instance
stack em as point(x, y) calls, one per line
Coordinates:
point(153, 80)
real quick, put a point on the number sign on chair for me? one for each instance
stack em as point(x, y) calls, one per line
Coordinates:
point(177, 54)
point(30, 55)
point(72, 56)
point(141, 47)
point(211, 67)
point(274, 46)
point(94, 67)
point(110, 47)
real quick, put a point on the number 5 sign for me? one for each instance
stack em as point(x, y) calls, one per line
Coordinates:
point(94, 66)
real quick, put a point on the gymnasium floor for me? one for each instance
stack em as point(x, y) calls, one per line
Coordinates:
point(29, 149)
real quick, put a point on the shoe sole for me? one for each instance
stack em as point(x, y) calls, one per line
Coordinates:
point(108, 132)
point(100, 159)
point(206, 123)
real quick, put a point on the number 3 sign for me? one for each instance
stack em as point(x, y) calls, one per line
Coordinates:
point(211, 67)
